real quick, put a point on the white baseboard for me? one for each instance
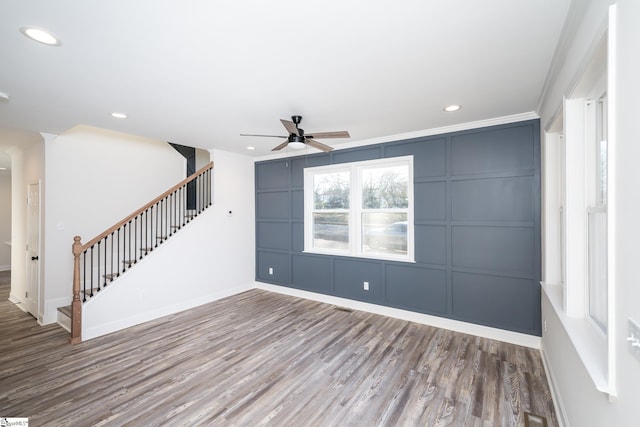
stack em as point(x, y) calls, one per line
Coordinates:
point(18, 302)
point(438, 322)
point(5, 268)
point(89, 332)
point(555, 396)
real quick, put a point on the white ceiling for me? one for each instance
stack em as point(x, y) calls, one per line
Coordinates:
point(201, 72)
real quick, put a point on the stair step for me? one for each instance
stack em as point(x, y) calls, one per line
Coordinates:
point(111, 276)
point(66, 310)
point(161, 237)
point(129, 261)
point(64, 317)
point(146, 249)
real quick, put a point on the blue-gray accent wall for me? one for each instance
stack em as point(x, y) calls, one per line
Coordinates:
point(477, 229)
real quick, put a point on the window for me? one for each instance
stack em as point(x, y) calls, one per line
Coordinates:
point(584, 157)
point(362, 209)
point(330, 212)
point(596, 144)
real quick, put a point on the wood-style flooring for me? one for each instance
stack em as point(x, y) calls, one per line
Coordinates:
point(260, 358)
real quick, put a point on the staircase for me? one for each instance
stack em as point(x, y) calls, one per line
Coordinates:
point(106, 257)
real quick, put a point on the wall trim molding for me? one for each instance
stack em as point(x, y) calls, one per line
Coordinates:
point(5, 267)
point(17, 301)
point(89, 332)
point(504, 120)
point(553, 387)
point(425, 319)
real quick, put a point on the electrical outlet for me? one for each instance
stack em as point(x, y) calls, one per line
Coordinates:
point(545, 325)
point(366, 286)
point(633, 338)
point(271, 271)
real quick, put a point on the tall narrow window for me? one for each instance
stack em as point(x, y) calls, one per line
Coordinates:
point(563, 249)
point(601, 151)
point(361, 209)
point(596, 120)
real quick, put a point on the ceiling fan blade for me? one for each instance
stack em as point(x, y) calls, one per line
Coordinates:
point(281, 146)
point(318, 145)
point(290, 126)
point(338, 134)
point(266, 136)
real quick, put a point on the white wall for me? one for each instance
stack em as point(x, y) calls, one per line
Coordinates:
point(581, 403)
point(94, 178)
point(5, 220)
point(211, 258)
point(203, 157)
point(574, 52)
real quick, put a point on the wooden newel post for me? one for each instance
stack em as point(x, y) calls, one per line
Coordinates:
point(76, 304)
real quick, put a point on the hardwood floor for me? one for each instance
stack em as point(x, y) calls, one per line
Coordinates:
point(261, 358)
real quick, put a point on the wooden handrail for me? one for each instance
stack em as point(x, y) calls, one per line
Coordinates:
point(145, 207)
point(78, 248)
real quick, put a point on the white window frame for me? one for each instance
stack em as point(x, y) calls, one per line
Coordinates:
point(568, 294)
point(596, 209)
point(355, 208)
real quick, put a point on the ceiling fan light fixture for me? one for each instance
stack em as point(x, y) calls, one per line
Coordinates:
point(296, 142)
point(297, 145)
point(40, 35)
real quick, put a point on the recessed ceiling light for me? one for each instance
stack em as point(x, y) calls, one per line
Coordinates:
point(119, 115)
point(452, 108)
point(4, 96)
point(40, 35)
point(250, 147)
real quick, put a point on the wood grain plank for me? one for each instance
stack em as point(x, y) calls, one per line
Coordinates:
point(265, 359)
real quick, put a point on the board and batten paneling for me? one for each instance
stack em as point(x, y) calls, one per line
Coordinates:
point(477, 229)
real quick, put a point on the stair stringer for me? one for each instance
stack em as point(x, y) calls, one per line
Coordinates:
point(178, 275)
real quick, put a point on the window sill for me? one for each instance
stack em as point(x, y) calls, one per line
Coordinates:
point(360, 256)
point(589, 344)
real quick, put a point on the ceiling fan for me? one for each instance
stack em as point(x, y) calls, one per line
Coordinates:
point(297, 138)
